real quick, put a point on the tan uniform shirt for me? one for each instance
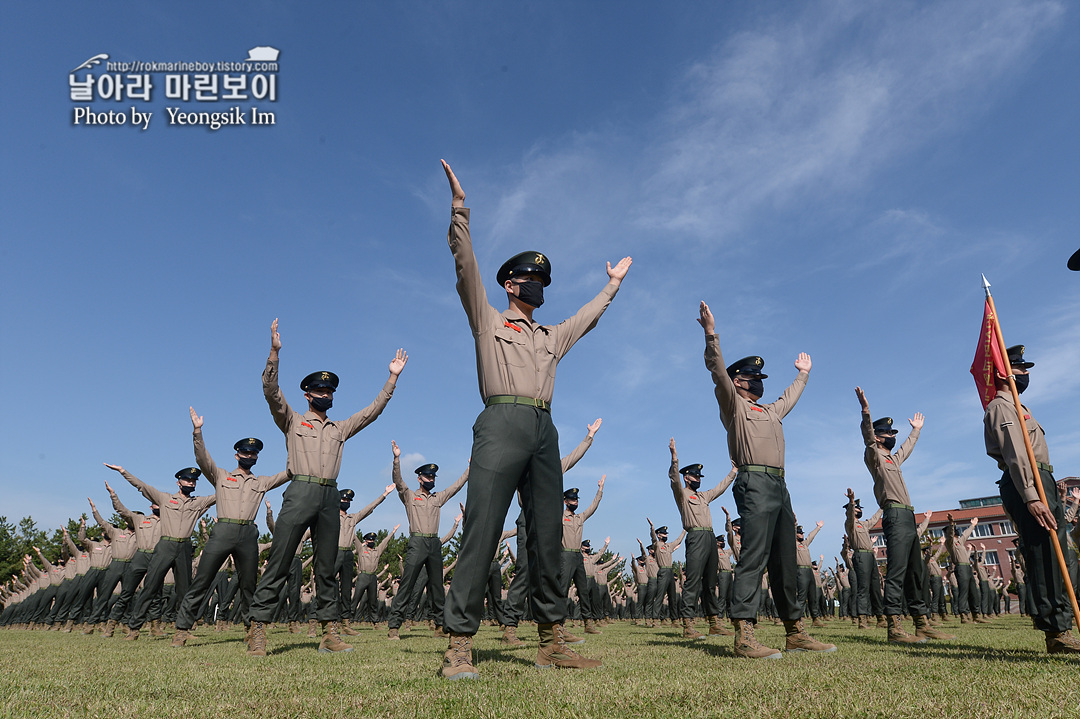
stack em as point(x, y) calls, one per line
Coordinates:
point(733, 540)
point(859, 531)
point(179, 513)
point(81, 558)
point(802, 549)
point(315, 446)
point(422, 507)
point(694, 505)
point(347, 532)
point(664, 550)
point(147, 527)
point(239, 493)
point(123, 543)
point(932, 565)
point(573, 525)
point(651, 567)
point(889, 484)
point(755, 431)
point(367, 560)
point(513, 355)
point(641, 576)
point(958, 551)
point(723, 558)
point(1005, 443)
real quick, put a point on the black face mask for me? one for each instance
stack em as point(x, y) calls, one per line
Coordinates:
point(572, 507)
point(428, 484)
point(756, 387)
point(693, 483)
point(858, 514)
point(1021, 382)
point(531, 292)
point(345, 506)
point(156, 511)
point(186, 490)
point(888, 442)
point(369, 545)
point(247, 462)
point(321, 404)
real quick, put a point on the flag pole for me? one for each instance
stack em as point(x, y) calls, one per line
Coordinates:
point(1031, 454)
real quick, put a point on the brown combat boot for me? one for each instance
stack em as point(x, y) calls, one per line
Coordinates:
point(331, 640)
point(393, 634)
point(689, 631)
point(312, 628)
point(257, 640)
point(458, 661)
point(347, 630)
point(881, 622)
point(923, 628)
point(568, 637)
point(979, 618)
point(110, 627)
point(1062, 643)
point(555, 651)
point(746, 645)
point(817, 622)
point(590, 627)
point(964, 619)
point(155, 629)
point(438, 633)
point(897, 635)
point(799, 641)
point(88, 629)
point(510, 637)
point(180, 638)
point(716, 628)
point(132, 635)
point(67, 626)
point(862, 621)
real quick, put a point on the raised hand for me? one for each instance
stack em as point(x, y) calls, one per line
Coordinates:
point(820, 525)
point(706, 319)
point(275, 337)
point(916, 422)
point(618, 272)
point(850, 495)
point(603, 478)
point(456, 192)
point(398, 363)
point(389, 489)
point(802, 363)
point(862, 400)
point(196, 420)
point(594, 426)
point(397, 450)
point(674, 454)
point(115, 467)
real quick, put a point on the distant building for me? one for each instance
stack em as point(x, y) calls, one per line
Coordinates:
point(995, 530)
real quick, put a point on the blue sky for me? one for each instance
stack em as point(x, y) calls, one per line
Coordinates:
point(831, 179)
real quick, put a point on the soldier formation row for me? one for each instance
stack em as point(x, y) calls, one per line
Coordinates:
point(516, 453)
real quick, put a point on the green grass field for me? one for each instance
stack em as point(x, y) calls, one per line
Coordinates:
point(996, 670)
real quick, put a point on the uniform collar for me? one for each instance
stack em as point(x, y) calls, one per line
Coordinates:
point(310, 416)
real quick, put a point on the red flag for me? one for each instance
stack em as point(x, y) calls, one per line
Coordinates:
point(987, 358)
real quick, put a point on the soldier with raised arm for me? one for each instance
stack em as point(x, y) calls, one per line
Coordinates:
point(179, 513)
point(665, 575)
point(239, 497)
point(123, 546)
point(755, 435)
point(702, 561)
point(422, 507)
point(345, 563)
point(368, 554)
point(573, 565)
point(515, 443)
point(965, 600)
point(314, 443)
point(906, 577)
